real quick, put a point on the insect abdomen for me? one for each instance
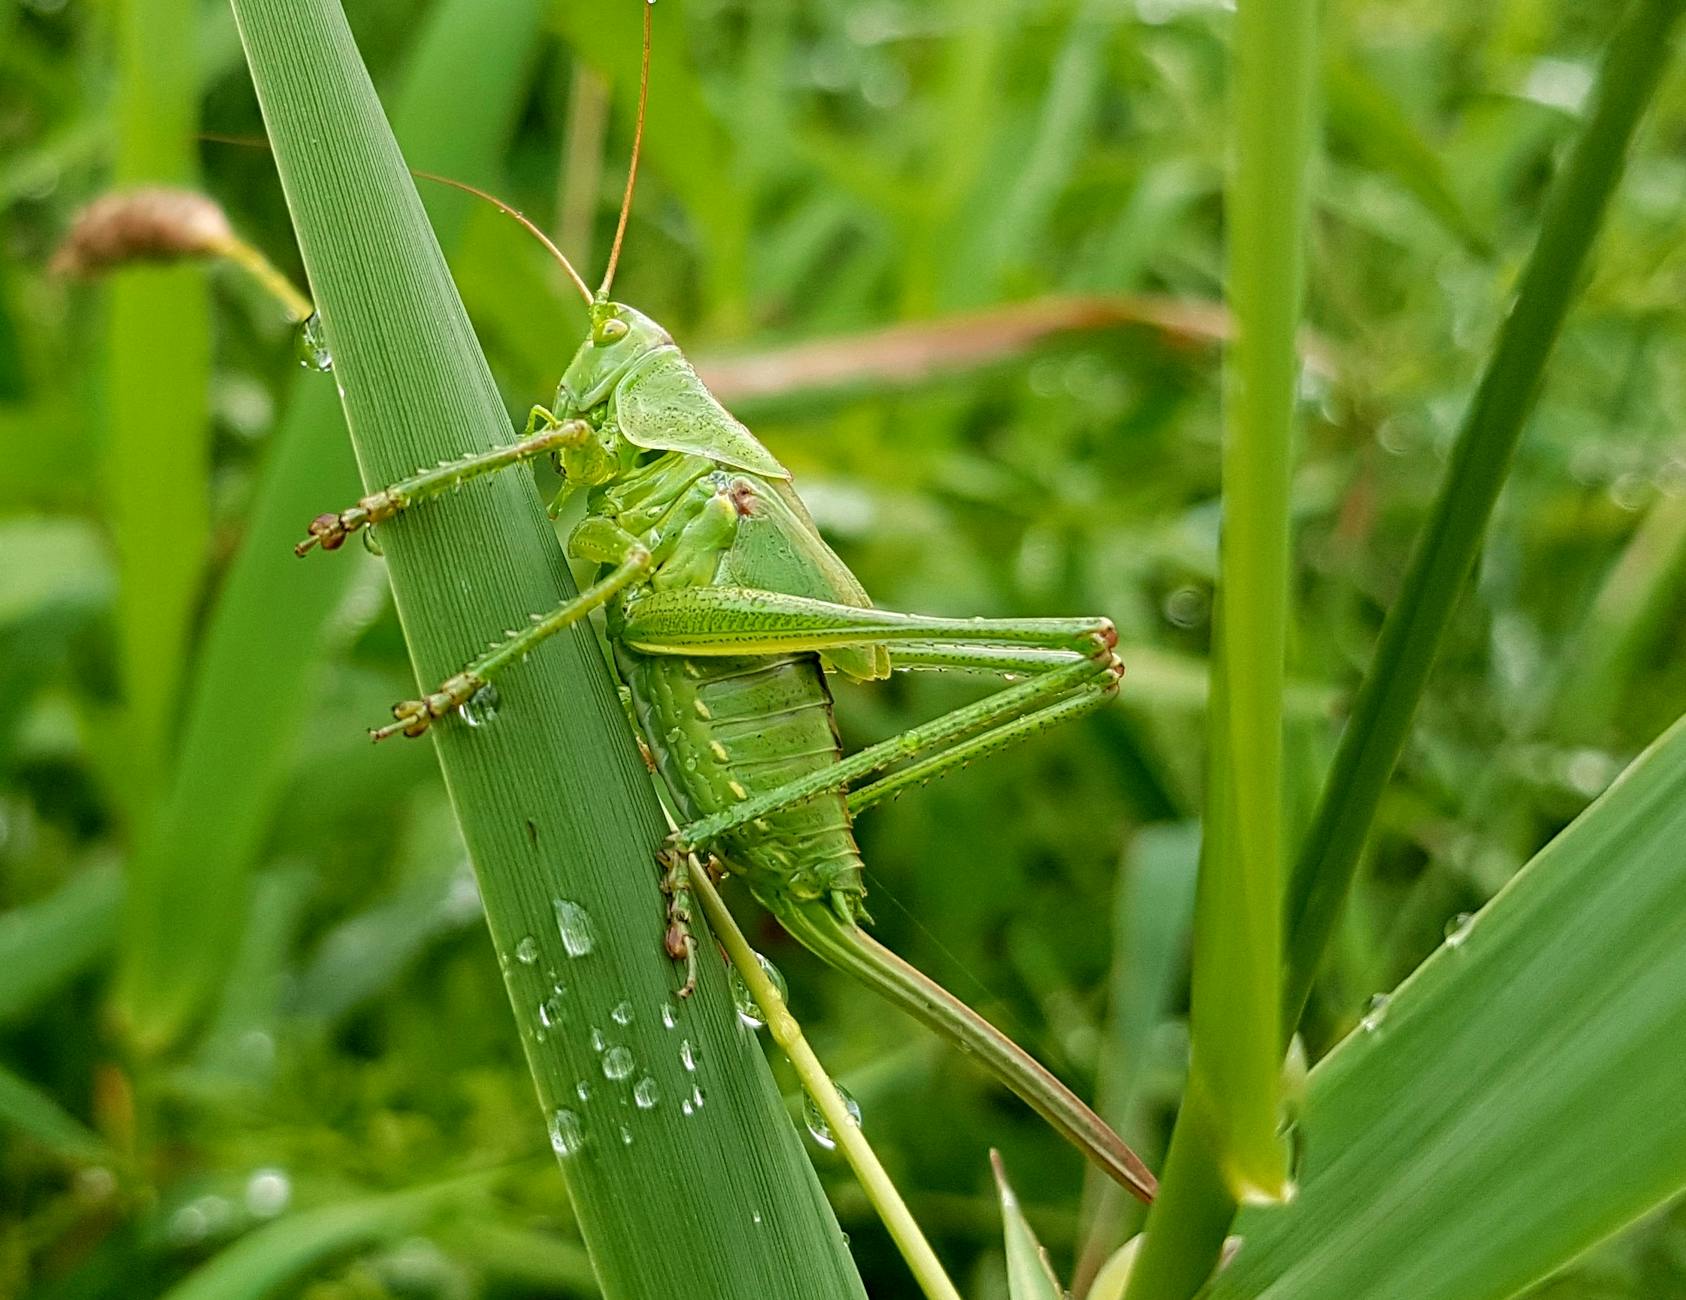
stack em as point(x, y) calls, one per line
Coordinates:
point(723, 729)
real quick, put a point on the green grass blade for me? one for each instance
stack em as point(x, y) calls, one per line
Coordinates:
point(157, 418)
point(266, 632)
point(1150, 926)
point(47, 943)
point(27, 1109)
point(1364, 118)
point(265, 1262)
point(1445, 553)
point(1520, 1099)
point(1224, 1149)
point(1633, 608)
point(551, 797)
point(1030, 1274)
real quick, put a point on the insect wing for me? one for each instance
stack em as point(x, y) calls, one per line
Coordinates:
point(777, 548)
point(663, 405)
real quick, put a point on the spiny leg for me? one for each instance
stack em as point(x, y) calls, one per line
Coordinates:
point(677, 865)
point(745, 621)
point(1083, 681)
point(992, 741)
point(413, 717)
point(543, 434)
point(1062, 657)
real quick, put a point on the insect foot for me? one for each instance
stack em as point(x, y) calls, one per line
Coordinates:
point(680, 942)
point(413, 717)
point(329, 531)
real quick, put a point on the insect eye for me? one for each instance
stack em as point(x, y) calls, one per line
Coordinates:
point(610, 330)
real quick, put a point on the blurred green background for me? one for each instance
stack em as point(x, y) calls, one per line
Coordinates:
point(246, 997)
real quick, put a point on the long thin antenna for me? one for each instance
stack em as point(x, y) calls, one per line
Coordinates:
point(501, 206)
point(258, 142)
point(632, 169)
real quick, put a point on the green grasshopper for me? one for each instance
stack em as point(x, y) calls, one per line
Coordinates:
point(725, 609)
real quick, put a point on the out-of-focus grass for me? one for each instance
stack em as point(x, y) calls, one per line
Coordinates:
point(156, 454)
point(859, 156)
point(273, 618)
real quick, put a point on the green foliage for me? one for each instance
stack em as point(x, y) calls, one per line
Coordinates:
point(558, 816)
point(320, 1022)
point(1503, 1110)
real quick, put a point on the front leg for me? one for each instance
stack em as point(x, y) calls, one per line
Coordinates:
point(414, 717)
point(544, 433)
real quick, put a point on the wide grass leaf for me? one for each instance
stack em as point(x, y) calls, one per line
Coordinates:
point(1521, 1096)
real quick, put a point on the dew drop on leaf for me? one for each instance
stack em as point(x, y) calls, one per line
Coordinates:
point(313, 345)
point(617, 1062)
point(816, 1122)
point(481, 707)
point(567, 1134)
point(574, 924)
point(749, 1011)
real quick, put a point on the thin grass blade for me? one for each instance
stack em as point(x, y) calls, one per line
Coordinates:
point(1480, 462)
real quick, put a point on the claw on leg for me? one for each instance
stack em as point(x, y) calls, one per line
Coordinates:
point(414, 717)
point(329, 531)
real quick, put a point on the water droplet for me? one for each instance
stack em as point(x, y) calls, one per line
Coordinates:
point(622, 1014)
point(371, 543)
point(1187, 607)
point(567, 1135)
point(749, 1011)
point(582, 1089)
point(1375, 1011)
point(668, 1019)
point(550, 1011)
point(687, 1055)
point(268, 1192)
point(697, 1098)
point(575, 925)
point(527, 951)
point(626, 1136)
point(755, 1217)
point(312, 345)
point(1457, 928)
point(481, 707)
point(598, 1042)
point(617, 1062)
point(686, 1109)
point(645, 1093)
point(815, 1121)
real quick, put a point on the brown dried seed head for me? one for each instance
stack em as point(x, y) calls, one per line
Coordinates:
point(146, 225)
